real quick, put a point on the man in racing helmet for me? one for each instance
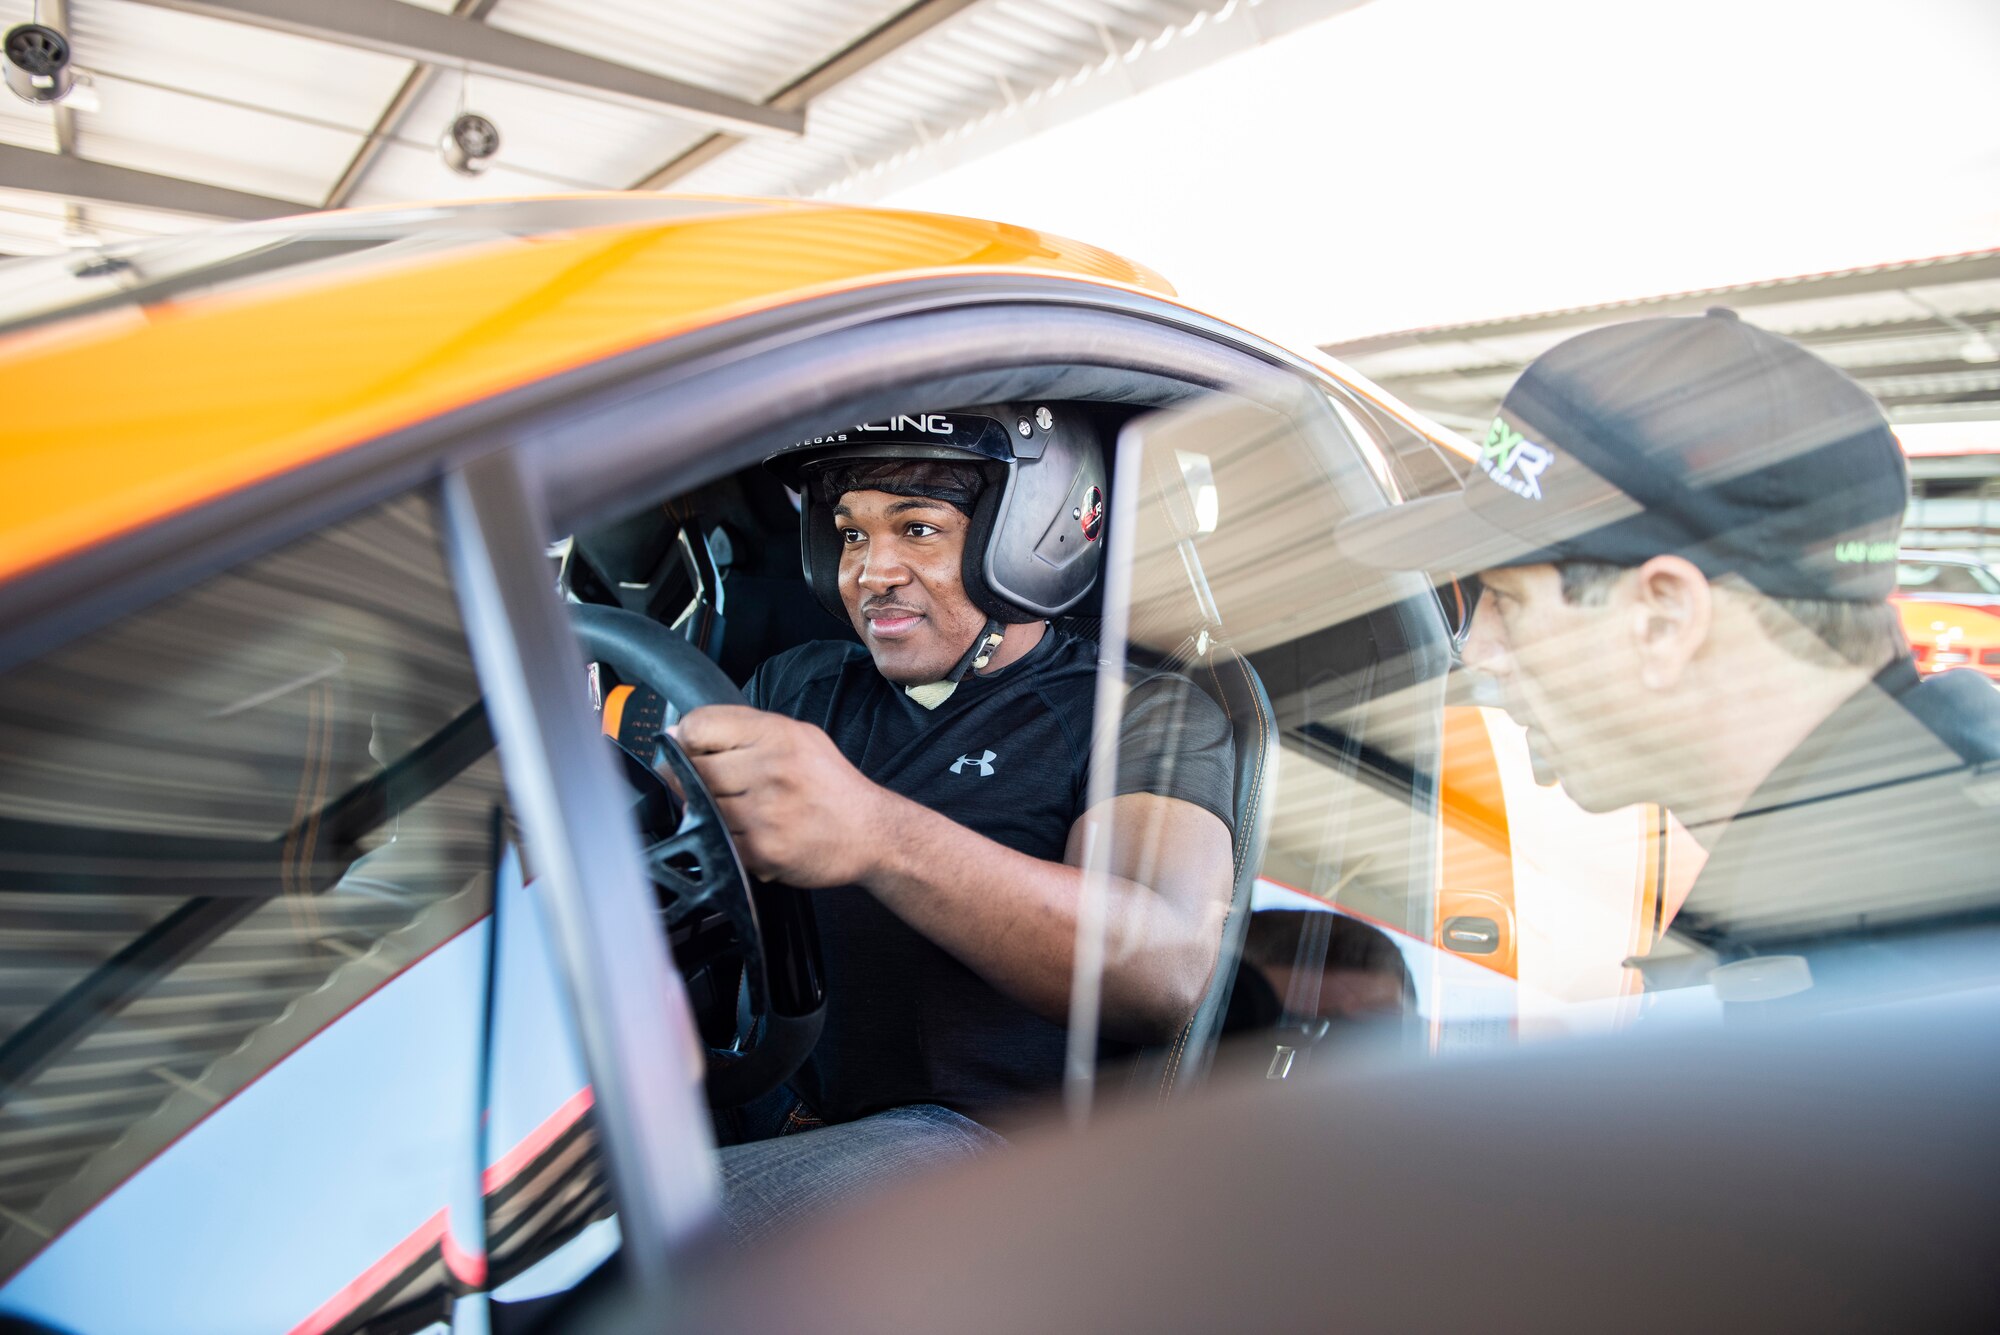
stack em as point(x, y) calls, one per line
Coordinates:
point(929, 782)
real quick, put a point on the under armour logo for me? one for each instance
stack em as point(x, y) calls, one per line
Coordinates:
point(984, 760)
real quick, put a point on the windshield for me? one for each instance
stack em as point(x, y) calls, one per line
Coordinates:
point(1920, 578)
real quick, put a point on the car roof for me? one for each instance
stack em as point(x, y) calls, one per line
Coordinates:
point(171, 391)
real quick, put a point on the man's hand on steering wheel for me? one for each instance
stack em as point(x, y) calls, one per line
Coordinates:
point(798, 811)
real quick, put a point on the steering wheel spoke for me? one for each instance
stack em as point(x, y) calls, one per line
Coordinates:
point(679, 865)
point(695, 865)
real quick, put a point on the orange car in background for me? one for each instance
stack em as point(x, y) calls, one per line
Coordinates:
point(1945, 636)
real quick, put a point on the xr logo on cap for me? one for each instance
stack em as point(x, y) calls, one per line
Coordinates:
point(984, 760)
point(1507, 452)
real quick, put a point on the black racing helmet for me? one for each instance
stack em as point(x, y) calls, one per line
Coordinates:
point(1036, 538)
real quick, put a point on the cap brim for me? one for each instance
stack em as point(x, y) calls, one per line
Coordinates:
point(1437, 533)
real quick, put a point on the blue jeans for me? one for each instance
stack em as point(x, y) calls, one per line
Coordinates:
point(770, 1185)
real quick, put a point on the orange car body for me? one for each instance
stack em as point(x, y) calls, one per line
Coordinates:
point(1944, 636)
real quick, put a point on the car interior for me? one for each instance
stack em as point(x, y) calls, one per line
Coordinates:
point(720, 568)
point(717, 568)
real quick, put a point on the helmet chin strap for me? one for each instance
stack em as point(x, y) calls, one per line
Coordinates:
point(931, 694)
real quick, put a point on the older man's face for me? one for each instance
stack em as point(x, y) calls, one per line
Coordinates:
point(1569, 674)
point(902, 584)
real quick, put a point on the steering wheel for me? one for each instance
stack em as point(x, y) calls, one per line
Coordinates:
point(705, 894)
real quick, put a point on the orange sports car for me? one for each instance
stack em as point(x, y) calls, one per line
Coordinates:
point(1944, 636)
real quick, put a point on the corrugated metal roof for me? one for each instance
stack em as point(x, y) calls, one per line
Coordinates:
point(310, 120)
point(231, 62)
point(26, 125)
point(994, 52)
point(1923, 336)
point(997, 71)
point(750, 48)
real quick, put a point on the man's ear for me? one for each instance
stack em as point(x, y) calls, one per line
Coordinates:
point(1672, 610)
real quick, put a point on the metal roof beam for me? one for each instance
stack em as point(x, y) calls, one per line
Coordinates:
point(100, 183)
point(410, 33)
point(882, 42)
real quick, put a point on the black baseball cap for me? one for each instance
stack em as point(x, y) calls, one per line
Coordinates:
point(1699, 436)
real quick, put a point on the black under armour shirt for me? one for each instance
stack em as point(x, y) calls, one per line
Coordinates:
point(1007, 755)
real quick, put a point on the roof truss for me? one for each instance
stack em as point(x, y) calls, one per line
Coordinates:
point(391, 28)
point(884, 41)
point(100, 183)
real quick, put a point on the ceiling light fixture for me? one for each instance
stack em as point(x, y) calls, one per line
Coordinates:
point(37, 63)
point(471, 140)
point(469, 143)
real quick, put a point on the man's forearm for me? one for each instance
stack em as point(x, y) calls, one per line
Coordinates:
point(1012, 919)
point(802, 814)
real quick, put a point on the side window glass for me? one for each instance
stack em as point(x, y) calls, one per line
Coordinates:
point(1327, 680)
point(252, 844)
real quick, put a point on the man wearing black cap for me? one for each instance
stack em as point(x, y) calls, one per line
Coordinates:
point(1685, 535)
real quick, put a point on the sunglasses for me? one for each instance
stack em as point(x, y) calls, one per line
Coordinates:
point(1458, 598)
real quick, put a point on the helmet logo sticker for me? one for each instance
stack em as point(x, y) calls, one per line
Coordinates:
point(1092, 517)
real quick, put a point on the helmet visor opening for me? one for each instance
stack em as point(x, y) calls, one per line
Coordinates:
point(955, 482)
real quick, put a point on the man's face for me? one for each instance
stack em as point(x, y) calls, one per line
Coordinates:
point(900, 582)
point(1568, 673)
